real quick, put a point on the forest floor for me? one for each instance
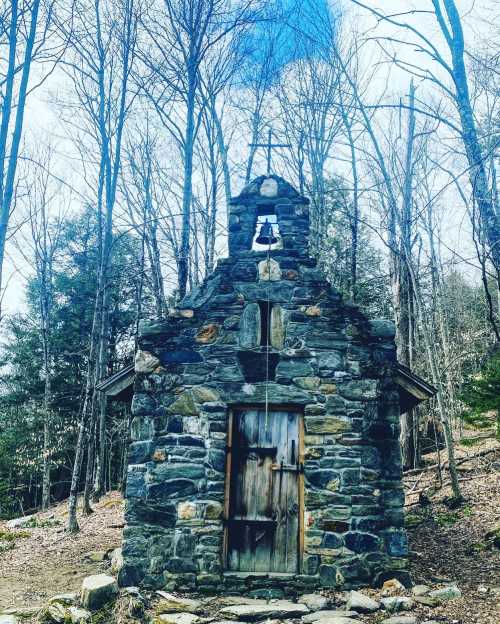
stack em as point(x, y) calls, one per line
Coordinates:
point(46, 560)
point(445, 544)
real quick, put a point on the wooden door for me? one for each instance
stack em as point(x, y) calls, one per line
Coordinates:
point(263, 519)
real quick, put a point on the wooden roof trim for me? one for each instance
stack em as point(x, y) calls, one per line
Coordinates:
point(118, 382)
point(414, 384)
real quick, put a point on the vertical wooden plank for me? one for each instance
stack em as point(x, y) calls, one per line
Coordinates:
point(248, 494)
point(301, 496)
point(264, 534)
point(292, 508)
point(234, 539)
point(280, 492)
point(227, 488)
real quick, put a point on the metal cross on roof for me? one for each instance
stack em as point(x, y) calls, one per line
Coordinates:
point(269, 146)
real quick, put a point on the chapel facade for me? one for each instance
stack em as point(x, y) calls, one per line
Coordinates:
point(264, 453)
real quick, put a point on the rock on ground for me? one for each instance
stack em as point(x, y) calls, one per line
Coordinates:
point(116, 560)
point(97, 590)
point(176, 618)
point(19, 523)
point(360, 602)
point(337, 620)
point(315, 602)
point(420, 590)
point(446, 593)
point(8, 619)
point(393, 586)
point(255, 612)
point(79, 616)
point(319, 616)
point(175, 604)
point(397, 603)
point(400, 619)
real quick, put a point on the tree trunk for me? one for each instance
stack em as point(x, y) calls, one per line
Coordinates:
point(7, 185)
point(187, 192)
point(490, 218)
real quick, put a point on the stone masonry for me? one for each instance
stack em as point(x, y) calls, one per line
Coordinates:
point(325, 358)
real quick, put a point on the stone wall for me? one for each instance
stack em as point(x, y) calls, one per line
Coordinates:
point(326, 359)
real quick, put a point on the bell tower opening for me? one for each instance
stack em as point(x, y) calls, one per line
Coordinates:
point(267, 234)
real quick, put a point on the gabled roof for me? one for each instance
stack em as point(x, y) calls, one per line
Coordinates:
point(412, 388)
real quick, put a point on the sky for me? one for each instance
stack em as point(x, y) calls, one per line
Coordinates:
point(301, 15)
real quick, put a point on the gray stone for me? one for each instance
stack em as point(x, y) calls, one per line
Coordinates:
point(79, 616)
point(359, 389)
point(393, 604)
point(250, 327)
point(56, 613)
point(307, 383)
point(97, 590)
point(400, 619)
point(9, 619)
point(294, 368)
point(315, 602)
point(240, 600)
point(269, 270)
point(319, 616)
point(336, 619)
point(17, 523)
point(141, 428)
point(145, 362)
point(176, 618)
point(326, 424)
point(275, 609)
point(357, 601)
point(427, 601)
point(331, 360)
point(116, 560)
point(277, 327)
point(185, 405)
point(269, 188)
point(420, 590)
point(446, 593)
point(176, 604)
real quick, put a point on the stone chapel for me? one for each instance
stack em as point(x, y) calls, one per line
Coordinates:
point(264, 453)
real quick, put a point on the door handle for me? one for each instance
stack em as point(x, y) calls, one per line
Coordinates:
point(298, 467)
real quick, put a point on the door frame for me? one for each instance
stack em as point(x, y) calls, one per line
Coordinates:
point(282, 407)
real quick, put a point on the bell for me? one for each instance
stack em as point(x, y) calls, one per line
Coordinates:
point(266, 236)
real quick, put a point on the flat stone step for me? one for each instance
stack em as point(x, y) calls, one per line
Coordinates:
point(319, 616)
point(276, 609)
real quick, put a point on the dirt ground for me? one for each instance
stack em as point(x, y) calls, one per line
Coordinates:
point(448, 544)
point(445, 544)
point(51, 561)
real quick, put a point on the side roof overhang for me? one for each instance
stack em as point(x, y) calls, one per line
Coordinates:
point(412, 388)
point(120, 386)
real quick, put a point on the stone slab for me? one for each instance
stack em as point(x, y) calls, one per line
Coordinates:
point(256, 612)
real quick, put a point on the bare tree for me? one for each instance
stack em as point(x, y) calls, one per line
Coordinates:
point(26, 38)
point(100, 62)
point(182, 35)
point(454, 69)
point(39, 249)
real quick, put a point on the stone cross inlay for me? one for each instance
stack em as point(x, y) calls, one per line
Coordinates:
point(269, 146)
